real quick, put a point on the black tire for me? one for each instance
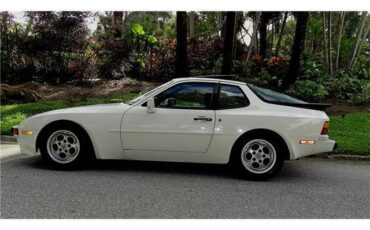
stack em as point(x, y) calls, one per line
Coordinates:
point(240, 167)
point(83, 156)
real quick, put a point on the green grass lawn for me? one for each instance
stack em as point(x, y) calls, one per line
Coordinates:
point(352, 132)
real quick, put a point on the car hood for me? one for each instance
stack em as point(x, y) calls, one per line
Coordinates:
point(102, 108)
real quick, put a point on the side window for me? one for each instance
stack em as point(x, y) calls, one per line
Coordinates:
point(187, 96)
point(231, 97)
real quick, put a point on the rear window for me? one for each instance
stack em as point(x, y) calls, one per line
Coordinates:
point(273, 96)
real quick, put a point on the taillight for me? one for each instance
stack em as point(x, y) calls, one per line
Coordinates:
point(325, 128)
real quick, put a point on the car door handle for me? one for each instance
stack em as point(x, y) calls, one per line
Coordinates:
point(202, 119)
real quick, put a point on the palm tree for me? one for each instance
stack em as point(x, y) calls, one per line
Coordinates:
point(339, 39)
point(297, 49)
point(358, 38)
point(229, 41)
point(263, 33)
point(181, 59)
point(329, 51)
point(117, 23)
point(325, 43)
point(191, 24)
point(281, 34)
point(254, 35)
point(363, 40)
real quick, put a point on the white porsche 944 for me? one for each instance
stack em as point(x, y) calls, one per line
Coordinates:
point(199, 120)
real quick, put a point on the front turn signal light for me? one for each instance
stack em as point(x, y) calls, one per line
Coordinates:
point(325, 128)
point(26, 132)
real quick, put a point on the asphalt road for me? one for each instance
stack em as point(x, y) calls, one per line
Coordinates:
point(309, 188)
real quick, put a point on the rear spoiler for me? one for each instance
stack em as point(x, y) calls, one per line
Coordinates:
point(315, 106)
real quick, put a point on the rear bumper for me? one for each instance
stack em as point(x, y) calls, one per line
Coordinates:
point(323, 145)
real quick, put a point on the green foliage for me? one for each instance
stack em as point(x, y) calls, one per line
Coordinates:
point(266, 72)
point(142, 42)
point(160, 24)
point(345, 86)
point(312, 69)
point(51, 48)
point(308, 90)
point(7, 122)
point(137, 29)
point(352, 133)
point(56, 47)
point(112, 54)
point(206, 25)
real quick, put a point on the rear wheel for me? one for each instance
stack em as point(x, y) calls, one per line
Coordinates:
point(64, 148)
point(258, 158)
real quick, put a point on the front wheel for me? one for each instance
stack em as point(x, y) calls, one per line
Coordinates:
point(64, 148)
point(258, 158)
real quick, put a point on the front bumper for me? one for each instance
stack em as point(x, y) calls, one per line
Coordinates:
point(26, 141)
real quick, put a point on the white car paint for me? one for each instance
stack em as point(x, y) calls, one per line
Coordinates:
point(122, 131)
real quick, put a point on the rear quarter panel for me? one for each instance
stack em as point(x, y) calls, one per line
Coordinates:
point(291, 123)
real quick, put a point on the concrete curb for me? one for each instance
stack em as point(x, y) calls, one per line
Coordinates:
point(341, 157)
point(7, 139)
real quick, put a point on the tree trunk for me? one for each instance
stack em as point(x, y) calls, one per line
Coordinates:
point(272, 38)
point(181, 59)
point(220, 21)
point(263, 34)
point(325, 44)
point(297, 49)
point(363, 41)
point(236, 29)
point(339, 40)
point(358, 38)
point(191, 24)
point(254, 35)
point(329, 51)
point(281, 34)
point(229, 40)
point(117, 23)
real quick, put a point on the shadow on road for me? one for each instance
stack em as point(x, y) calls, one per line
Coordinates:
point(151, 167)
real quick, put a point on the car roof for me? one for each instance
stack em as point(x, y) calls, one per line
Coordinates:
point(216, 79)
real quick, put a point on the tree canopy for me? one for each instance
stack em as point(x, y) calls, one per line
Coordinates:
point(310, 54)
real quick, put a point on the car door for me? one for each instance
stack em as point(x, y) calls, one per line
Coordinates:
point(183, 120)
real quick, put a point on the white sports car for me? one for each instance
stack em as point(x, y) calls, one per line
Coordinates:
point(200, 120)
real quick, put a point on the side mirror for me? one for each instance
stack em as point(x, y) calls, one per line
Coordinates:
point(150, 105)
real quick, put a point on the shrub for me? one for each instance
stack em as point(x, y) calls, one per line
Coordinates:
point(344, 86)
point(266, 72)
point(160, 61)
point(313, 70)
point(308, 90)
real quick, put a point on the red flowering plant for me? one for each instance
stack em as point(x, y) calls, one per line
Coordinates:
point(160, 61)
point(277, 66)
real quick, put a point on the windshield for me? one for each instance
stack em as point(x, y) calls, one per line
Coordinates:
point(273, 96)
point(142, 96)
